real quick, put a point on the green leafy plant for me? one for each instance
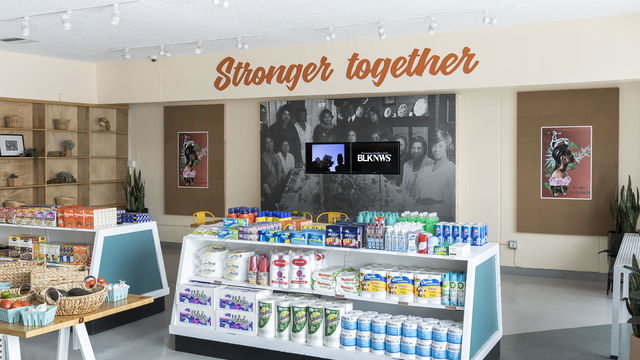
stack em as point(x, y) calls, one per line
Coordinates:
point(62, 177)
point(134, 190)
point(68, 144)
point(633, 301)
point(31, 152)
point(625, 209)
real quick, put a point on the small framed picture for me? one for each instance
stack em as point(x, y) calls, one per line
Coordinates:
point(11, 145)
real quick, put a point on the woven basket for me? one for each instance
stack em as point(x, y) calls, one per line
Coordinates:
point(65, 200)
point(53, 276)
point(76, 305)
point(18, 272)
point(29, 296)
point(13, 121)
point(61, 124)
point(12, 204)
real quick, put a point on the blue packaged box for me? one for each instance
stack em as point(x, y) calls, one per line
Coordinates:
point(228, 234)
point(228, 222)
point(282, 237)
point(316, 238)
point(351, 236)
point(299, 237)
point(333, 235)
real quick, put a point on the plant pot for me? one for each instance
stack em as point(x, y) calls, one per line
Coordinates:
point(12, 203)
point(14, 181)
point(634, 347)
point(65, 200)
point(143, 211)
point(61, 124)
point(13, 121)
point(67, 152)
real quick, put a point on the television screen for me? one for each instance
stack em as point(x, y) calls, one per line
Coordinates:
point(375, 157)
point(327, 158)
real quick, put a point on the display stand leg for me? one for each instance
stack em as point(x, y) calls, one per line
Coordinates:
point(615, 318)
point(75, 343)
point(85, 345)
point(63, 344)
point(12, 347)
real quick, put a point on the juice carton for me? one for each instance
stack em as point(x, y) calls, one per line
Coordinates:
point(69, 217)
point(14, 247)
point(78, 213)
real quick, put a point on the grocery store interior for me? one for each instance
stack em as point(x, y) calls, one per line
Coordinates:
point(336, 180)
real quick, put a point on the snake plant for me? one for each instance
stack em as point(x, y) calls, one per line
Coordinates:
point(625, 209)
point(134, 190)
point(633, 302)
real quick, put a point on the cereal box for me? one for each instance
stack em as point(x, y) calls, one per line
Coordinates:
point(81, 254)
point(78, 214)
point(53, 253)
point(60, 216)
point(14, 247)
point(66, 254)
point(89, 220)
point(69, 217)
point(50, 217)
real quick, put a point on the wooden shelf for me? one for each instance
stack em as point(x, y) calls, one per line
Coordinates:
point(68, 131)
point(65, 157)
point(110, 205)
point(20, 129)
point(114, 181)
point(19, 158)
point(21, 187)
point(70, 184)
point(110, 157)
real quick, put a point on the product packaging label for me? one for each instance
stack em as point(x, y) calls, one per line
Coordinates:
point(314, 318)
point(265, 314)
point(400, 285)
point(373, 283)
point(428, 288)
point(284, 318)
point(299, 319)
point(331, 321)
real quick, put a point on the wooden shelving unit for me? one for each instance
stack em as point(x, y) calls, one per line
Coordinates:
point(98, 162)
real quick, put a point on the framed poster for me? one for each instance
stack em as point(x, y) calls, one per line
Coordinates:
point(193, 171)
point(565, 162)
point(11, 145)
point(194, 159)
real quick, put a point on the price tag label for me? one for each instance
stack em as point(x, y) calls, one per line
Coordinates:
point(340, 296)
point(217, 282)
point(403, 303)
point(450, 307)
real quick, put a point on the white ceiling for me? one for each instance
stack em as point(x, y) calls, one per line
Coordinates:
point(148, 23)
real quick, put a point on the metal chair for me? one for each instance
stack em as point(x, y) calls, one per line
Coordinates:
point(332, 216)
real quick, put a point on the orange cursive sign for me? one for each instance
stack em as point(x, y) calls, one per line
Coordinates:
point(418, 63)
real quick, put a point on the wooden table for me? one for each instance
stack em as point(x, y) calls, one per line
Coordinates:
point(12, 332)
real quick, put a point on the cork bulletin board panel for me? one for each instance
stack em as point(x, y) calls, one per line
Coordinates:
point(598, 108)
point(196, 131)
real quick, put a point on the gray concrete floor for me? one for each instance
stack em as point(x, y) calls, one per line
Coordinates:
point(544, 318)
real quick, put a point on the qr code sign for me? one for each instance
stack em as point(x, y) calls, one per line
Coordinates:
point(11, 145)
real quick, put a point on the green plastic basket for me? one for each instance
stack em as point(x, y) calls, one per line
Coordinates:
point(39, 318)
point(12, 315)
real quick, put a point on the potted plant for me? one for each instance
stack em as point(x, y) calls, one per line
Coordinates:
point(62, 177)
point(134, 191)
point(31, 152)
point(14, 180)
point(68, 145)
point(633, 306)
point(625, 209)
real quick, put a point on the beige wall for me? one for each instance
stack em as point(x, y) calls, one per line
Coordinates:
point(242, 159)
point(26, 76)
point(578, 51)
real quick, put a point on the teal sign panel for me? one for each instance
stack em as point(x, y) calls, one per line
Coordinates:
point(131, 257)
point(485, 305)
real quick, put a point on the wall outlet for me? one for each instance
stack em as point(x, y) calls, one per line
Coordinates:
point(513, 244)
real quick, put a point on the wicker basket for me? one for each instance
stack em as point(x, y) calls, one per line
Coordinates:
point(29, 296)
point(13, 121)
point(12, 204)
point(53, 276)
point(18, 272)
point(76, 305)
point(61, 124)
point(65, 200)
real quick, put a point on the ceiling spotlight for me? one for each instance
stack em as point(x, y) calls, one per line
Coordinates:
point(489, 20)
point(494, 21)
point(215, 2)
point(432, 26)
point(381, 34)
point(66, 20)
point(198, 49)
point(25, 27)
point(164, 52)
point(241, 45)
point(126, 55)
point(115, 15)
point(330, 35)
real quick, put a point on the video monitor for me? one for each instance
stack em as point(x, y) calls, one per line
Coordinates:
point(327, 158)
point(375, 157)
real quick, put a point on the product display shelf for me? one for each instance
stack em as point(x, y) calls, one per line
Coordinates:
point(475, 251)
point(481, 315)
point(202, 279)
